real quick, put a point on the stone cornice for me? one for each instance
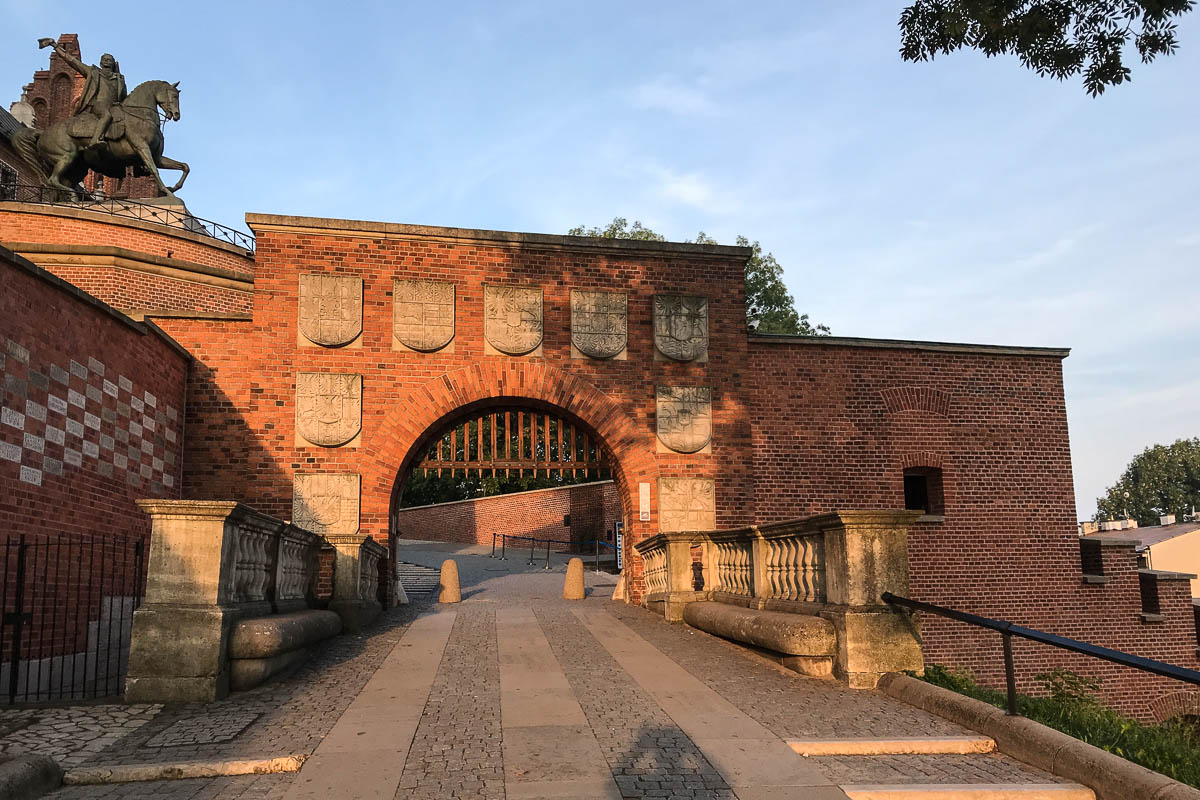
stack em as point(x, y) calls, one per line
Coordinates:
point(320, 226)
point(905, 344)
point(77, 255)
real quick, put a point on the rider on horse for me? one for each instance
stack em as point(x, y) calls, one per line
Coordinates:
point(103, 88)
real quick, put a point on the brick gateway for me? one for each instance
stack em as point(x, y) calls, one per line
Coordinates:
point(315, 386)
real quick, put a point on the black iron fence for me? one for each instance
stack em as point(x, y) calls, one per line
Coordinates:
point(66, 612)
point(539, 550)
point(1007, 630)
point(172, 216)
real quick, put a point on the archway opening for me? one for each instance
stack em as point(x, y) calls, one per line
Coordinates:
point(511, 471)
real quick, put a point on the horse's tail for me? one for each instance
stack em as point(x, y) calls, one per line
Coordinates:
point(25, 143)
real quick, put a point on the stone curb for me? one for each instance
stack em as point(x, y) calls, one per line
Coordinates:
point(1110, 776)
point(24, 777)
point(968, 791)
point(905, 746)
point(131, 773)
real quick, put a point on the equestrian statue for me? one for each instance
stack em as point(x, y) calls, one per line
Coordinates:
point(109, 130)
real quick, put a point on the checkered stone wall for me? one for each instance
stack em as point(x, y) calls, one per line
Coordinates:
point(90, 410)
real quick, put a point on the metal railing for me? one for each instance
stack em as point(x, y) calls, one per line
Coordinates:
point(132, 209)
point(534, 547)
point(1008, 630)
point(66, 609)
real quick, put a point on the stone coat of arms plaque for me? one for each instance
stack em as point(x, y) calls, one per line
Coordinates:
point(423, 314)
point(687, 504)
point(681, 326)
point(599, 322)
point(328, 407)
point(512, 321)
point(683, 415)
point(330, 308)
point(326, 502)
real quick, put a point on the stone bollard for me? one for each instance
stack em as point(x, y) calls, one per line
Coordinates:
point(573, 587)
point(449, 591)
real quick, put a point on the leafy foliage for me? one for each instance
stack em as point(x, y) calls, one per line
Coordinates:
point(770, 308)
point(424, 490)
point(1059, 38)
point(1072, 707)
point(1163, 479)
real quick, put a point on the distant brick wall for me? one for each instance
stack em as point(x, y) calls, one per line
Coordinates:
point(592, 508)
point(835, 426)
point(91, 420)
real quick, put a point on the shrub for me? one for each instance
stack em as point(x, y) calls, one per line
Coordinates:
point(1071, 706)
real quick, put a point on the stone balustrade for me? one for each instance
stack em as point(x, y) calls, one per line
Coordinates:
point(213, 566)
point(835, 566)
point(356, 579)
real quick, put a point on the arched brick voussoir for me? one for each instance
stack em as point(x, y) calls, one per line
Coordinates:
point(412, 416)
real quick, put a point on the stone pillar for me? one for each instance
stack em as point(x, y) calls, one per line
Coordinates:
point(181, 631)
point(866, 554)
point(351, 570)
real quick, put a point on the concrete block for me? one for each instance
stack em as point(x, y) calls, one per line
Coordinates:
point(264, 637)
point(790, 634)
point(246, 673)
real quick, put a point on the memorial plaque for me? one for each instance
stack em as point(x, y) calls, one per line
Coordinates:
point(512, 318)
point(328, 407)
point(326, 502)
point(681, 326)
point(687, 504)
point(683, 415)
point(423, 314)
point(599, 323)
point(330, 308)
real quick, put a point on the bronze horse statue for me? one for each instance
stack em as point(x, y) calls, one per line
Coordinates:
point(62, 154)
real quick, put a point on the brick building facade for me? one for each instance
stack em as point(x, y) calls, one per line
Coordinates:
point(798, 426)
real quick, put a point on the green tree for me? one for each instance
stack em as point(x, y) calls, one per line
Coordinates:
point(1163, 479)
point(1059, 38)
point(770, 308)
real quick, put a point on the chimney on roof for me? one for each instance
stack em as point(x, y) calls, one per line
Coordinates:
point(1166, 519)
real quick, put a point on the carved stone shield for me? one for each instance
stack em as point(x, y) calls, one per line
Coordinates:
point(423, 314)
point(687, 504)
point(599, 322)
point(681, 326)
point(512, 321)
point(328, 407)
point(330, 308)
point(326, 502)
point(684, 417)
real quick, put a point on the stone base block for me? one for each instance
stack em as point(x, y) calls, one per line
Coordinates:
point(811, 666)
point(246, 673)
point(788, 634)
point(178, 654)
point(874, 643)
point(355, 614)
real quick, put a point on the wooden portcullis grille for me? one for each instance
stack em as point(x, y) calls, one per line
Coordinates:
point(516, 442)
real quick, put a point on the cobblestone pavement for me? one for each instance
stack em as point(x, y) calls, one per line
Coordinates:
point(457, 749)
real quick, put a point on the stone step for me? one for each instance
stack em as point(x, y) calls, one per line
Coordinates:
point(899, 746)
point(417, 579)
point(969, 791)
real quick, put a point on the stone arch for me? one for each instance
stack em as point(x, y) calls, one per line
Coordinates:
point(428, 407)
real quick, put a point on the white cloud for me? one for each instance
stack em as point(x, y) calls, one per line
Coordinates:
point(668, 94)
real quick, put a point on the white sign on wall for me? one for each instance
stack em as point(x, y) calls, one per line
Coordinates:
point(644, 502)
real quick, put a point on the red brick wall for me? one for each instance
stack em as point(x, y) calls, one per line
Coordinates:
point(834, 426)
point(593, 508)
point(139, 291)
point(23, 222)
point(91, 420)
point(241, 409)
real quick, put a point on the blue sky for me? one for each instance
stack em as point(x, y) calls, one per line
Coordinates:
point(963, 200)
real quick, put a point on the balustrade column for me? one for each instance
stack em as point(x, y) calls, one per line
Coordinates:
point(350, 566)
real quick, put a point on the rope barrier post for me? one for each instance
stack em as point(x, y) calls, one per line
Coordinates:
point(503, 546)
point(596, 559)
point(1010, 675)
point(493, 555)
point(547, 554)
point(532, 542)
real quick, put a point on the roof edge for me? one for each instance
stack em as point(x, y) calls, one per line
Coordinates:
point(911, 344)
point(396, 230)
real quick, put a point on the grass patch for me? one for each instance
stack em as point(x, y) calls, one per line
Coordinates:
point(1071, 706)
